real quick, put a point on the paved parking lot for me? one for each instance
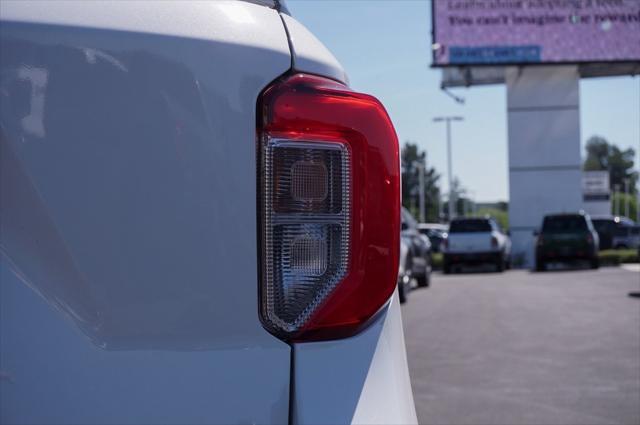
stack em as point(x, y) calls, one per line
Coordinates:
point(526, 348)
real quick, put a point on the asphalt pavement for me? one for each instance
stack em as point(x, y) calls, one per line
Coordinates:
point(559, 347)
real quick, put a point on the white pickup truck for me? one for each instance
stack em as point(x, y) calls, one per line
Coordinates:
point(200, 221)
point(473, 241)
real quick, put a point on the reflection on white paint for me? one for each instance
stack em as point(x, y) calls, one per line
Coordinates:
point(236, 12)
point(92, 56)
point(38, 77)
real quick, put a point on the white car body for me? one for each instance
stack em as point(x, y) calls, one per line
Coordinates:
point(129, 274)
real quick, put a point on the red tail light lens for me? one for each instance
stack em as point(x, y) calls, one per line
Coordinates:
point(329, 208)
point(494, 242)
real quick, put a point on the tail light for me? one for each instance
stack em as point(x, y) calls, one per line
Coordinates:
point(494, 242)
point(589, 239)
point(444, 244)
point(329, 208)
point(540, 240)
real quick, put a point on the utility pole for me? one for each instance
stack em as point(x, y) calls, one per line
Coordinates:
point(421, 185)
point(452, 212)
point(637, 205)
point(627, 198)
point(616, 194)
point(474, 206)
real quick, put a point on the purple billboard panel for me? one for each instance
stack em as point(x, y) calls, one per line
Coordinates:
point(483, 32)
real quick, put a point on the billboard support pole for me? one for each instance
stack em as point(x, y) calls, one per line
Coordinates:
point(545, 169)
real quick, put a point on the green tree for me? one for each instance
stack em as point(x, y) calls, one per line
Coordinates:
point(412, 157)
point(462, 203)
point(622, 199)
point(602, 155)
point(501, 216)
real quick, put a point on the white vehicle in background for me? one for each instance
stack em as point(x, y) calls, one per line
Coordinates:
point(200, 221)
point(475, 240)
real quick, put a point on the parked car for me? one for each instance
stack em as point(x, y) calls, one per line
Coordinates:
point(200, 221)
point(420, 249)
point(436, 233)
point(405, 270)
point(475, 241)
point(626, 237)
point(565, 237)
point(607, 226)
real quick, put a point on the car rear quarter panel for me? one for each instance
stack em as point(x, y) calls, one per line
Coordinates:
point(128, 213)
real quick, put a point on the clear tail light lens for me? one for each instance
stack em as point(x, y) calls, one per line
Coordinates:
point(329, 208)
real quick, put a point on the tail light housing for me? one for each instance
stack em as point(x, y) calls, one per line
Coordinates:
point(494, 242)
point(444, 244)
point(589, 239)
point(329, 208)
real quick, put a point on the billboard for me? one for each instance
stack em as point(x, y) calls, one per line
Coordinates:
point(492, 32)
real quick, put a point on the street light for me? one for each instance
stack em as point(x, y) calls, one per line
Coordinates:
point(627, 198)
point(421, 185)
point(448, 120)
point(473, 208)
point(421, 169)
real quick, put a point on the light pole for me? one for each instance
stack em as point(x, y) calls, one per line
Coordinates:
point(616, 194)
point(421, 185)
point(472, 203)
point(627, 198)
point(448, 120)
point(421, 205)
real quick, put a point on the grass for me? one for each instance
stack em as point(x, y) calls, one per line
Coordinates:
point(436, 260)
point(612, 257)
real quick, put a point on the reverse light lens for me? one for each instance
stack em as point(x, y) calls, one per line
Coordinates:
point(329, 208)
point(306, 227)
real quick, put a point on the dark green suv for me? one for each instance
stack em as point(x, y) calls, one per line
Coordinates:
point(565, 237)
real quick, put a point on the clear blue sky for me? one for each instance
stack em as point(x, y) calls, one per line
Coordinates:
point(385, 49)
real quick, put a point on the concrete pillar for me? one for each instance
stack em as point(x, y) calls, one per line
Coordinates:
point(543, 106)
